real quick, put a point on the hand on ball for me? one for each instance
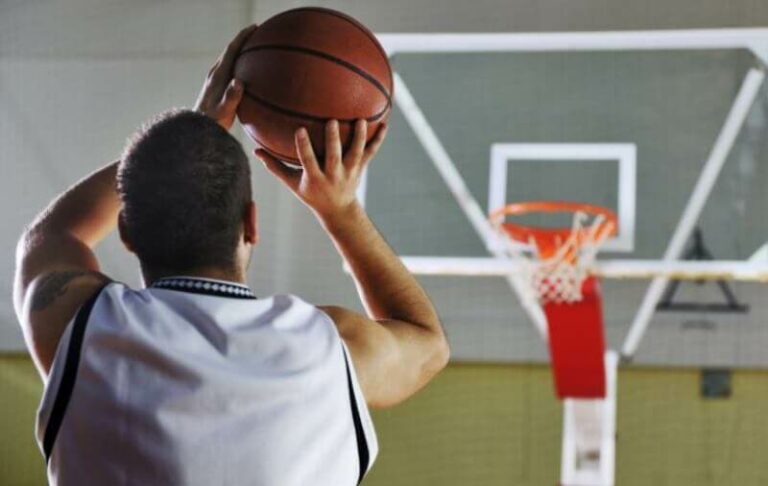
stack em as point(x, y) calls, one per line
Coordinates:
point(329, 190)
point(221, 93)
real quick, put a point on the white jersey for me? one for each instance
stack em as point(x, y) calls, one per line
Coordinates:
point(195, 381)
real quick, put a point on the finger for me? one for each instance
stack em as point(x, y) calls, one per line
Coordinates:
point(306, 153)
point(332, 147)
point(290, 177)
point(226, 110)
point(227, 58)
point(202, 98)
point(232, 97)
point(214, 67)
point(374, 144)
point(237, 42)
point(355, 152)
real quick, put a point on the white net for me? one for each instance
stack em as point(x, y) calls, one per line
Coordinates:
point(558, 278)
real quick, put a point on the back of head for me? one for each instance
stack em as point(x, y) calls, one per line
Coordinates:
point(185, 185)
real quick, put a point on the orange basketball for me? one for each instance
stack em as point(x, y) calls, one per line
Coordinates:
point(304, 67)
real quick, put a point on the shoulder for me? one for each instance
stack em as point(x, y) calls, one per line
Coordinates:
point(294, 310)
point(48, 288)
point(52, 300)
point(354, 328)
point(302, 323)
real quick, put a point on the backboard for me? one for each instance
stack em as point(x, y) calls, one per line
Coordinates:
point(665, 129)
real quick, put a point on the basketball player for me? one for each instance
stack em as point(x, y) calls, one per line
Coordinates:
point(194, 380)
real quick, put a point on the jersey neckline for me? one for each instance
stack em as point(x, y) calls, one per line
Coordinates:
point(207, 286)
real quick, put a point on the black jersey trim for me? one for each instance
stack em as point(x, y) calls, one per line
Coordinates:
point(204, 286)
point(69, 375)
point(362, 444)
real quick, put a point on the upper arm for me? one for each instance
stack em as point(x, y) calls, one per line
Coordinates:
point(55, 275)
point(393, 359)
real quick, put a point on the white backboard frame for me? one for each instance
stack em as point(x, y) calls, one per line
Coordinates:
point(623, 154)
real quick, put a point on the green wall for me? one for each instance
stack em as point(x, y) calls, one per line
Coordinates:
point(474, 425)
point(480, 424)
point(668, 436)
point(21, 463)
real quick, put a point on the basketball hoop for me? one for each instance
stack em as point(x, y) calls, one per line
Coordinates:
point(561, 257)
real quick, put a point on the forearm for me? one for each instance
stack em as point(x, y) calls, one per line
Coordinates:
point(386, 287)
point(86, 211)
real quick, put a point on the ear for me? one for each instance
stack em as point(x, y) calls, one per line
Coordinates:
point(122, 231)
point(251, 224)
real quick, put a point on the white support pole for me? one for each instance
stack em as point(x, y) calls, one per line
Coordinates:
point(608, 447)
point(588, 454)
point(476, 216)
point(568, 448)
point(750, 87)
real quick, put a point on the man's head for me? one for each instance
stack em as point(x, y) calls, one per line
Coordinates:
point(185, 185)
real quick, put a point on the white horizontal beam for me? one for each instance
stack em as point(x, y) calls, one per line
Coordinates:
point(755, 39)
point(614, 269)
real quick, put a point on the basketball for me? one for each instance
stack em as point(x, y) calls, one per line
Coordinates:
point(304, 67)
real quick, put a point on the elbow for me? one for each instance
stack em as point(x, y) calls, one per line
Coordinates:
point(28, 237)
point(440, 355)
point(444, 352)
point(23, 245)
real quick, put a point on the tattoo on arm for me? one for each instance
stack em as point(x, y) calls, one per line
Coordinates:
point(55, 284)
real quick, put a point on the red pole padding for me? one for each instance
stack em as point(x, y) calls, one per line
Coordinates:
point(577, 344)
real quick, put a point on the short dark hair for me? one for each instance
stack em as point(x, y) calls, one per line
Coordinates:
point(185, 184)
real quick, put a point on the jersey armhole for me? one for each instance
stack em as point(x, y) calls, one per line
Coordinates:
point(61, 380)
point(365, 433)
point(361, 437)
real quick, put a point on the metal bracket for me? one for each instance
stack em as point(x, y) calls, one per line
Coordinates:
point(699, 252)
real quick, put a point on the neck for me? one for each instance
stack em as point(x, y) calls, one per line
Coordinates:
point(238, 276)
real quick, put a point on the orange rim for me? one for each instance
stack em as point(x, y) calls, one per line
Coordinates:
point(549, 240)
